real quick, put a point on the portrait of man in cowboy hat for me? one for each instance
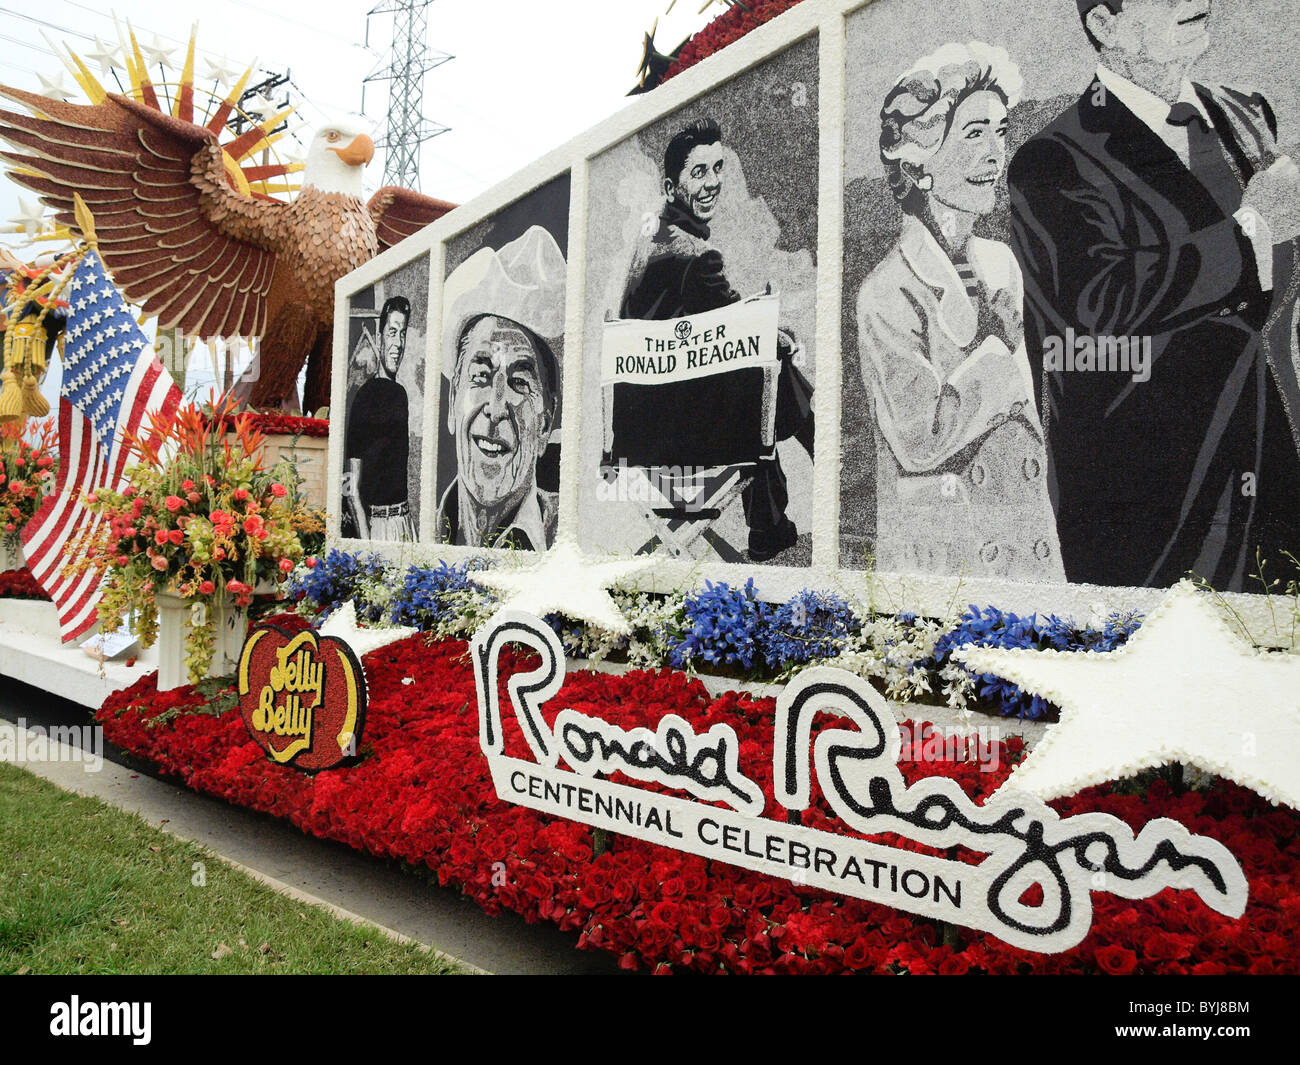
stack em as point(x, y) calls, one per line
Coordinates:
point(501, 351)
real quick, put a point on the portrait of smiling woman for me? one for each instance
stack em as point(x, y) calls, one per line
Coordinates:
point(960, 461)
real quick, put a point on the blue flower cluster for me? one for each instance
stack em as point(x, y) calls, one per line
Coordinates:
point(811, 626)
point(721, 626)
point(425, 598)
point(336, 579)
point(991, 627)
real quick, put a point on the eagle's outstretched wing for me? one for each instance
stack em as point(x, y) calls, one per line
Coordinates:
point(180, 241)
point(400, 212)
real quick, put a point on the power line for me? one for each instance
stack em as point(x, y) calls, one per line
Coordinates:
point(46, 24)
point(15, 66)
point(262, 11)
point(26, 44)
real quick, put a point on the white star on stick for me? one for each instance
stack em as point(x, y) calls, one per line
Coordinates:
point(222, 71)
point(1184, 688)
point(53, 88)
point(158, 52)
point(342, 624)
point(105, 55)
point(258, 106)
point(565, 582)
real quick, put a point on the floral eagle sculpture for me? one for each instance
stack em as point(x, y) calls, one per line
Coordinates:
point(185, 235)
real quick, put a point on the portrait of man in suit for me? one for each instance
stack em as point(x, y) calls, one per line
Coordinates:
point(1153, 222)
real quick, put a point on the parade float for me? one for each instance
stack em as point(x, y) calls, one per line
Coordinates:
point(602, 633)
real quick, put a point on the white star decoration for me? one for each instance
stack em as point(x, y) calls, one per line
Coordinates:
point(222, 71)
point(53, 88)
point(342, 624)
point(30, 217)
point(106, 55)
point(258, 106)
point(157, 52)
point(1184, 688)
point(563, 581)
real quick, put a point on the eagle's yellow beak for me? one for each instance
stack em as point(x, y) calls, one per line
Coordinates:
point(359, 152)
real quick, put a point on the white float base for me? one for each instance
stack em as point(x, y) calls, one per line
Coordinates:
point(30, 651)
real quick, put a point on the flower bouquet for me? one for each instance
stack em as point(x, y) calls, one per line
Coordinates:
point(200, 518)
point(27, 468)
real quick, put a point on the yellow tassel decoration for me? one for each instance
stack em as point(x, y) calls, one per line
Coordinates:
point(11, 398)
point(34, 404)
point(29, 343)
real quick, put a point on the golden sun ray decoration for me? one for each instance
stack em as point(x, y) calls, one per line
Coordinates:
point(268, 178)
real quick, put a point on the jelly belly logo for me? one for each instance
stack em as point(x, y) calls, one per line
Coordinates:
point(303, 697)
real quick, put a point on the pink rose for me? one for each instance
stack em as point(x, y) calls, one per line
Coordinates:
point(279, 491)
point(174, 503)
point(159, 563)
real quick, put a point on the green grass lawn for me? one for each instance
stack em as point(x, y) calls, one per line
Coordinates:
point(86, 888)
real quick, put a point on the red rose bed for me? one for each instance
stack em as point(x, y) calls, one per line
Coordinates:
point(421, 793)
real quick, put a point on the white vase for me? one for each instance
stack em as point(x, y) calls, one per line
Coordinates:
point(11, 552)
point(177, 615)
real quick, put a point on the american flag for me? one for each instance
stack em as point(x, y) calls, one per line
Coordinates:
point(111, 379)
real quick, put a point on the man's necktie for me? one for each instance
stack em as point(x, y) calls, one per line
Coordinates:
point(1206, 158)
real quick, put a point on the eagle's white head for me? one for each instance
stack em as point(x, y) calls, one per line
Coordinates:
point(337, 156)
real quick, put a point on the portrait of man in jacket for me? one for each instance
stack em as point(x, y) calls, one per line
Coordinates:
point(676, 271)
point(1154, 216)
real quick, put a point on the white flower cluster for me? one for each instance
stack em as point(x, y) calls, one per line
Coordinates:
point(890, 648)
point(647, 647)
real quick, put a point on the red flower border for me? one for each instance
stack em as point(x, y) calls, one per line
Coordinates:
point(725, 29)
point(422, 793)
point(20, 584)
point(272, 424)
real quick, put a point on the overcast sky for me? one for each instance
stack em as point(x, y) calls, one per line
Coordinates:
point(526, 75)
